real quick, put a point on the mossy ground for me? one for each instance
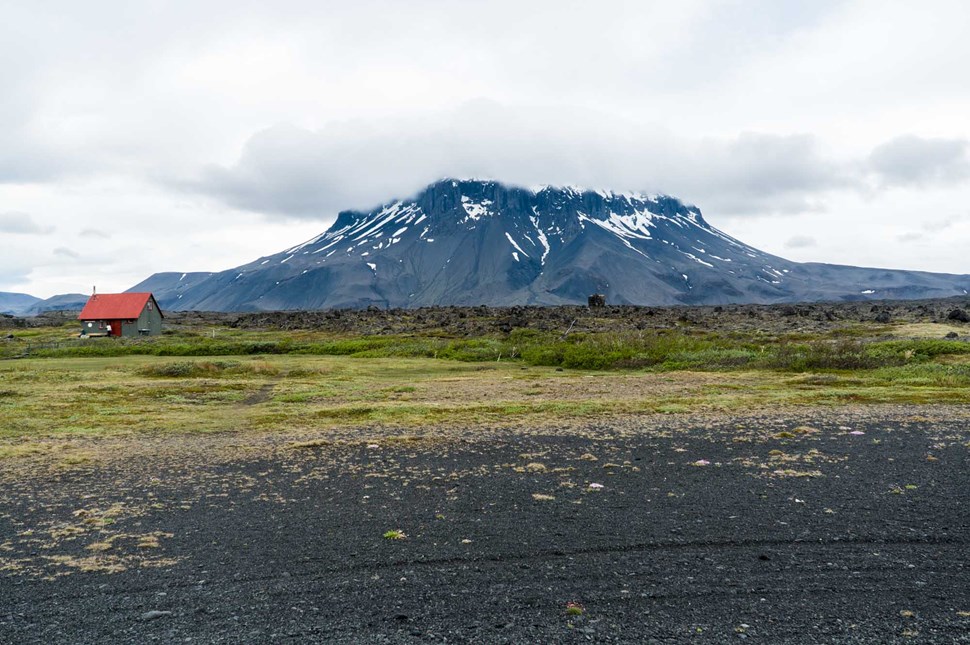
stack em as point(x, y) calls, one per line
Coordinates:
point(221, 379)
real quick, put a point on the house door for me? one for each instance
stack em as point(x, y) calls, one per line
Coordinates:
point(116, 328)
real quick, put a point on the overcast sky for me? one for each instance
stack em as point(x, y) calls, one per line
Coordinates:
point(138, 137)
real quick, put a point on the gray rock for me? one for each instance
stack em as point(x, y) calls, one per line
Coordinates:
point(154, 614)
point(958, 315)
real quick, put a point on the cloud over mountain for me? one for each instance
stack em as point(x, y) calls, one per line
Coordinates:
point(297, 172)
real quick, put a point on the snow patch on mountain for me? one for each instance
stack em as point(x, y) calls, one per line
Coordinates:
point(517, 247)
point(475, 210)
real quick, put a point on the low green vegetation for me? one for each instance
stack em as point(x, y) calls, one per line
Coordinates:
point(656, 350)
point(211, 369)
point(223, 379)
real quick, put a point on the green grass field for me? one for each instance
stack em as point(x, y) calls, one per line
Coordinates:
point(228, 380)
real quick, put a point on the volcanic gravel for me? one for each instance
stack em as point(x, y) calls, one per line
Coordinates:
point(819, 528)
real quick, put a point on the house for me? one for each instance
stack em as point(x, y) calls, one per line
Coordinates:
point(121, 314)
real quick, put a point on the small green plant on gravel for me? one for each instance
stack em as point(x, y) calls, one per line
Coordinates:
point(574, 608)
point(395, 534)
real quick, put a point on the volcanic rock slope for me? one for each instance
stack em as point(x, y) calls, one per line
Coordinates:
point(481, 242)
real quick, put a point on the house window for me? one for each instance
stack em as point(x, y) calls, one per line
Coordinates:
point(149, 305)
point(100, 324)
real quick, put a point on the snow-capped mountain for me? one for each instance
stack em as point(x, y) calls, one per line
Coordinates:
point(469, 242)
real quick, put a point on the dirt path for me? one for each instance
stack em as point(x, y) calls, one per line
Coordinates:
point(842, 526)
point(261, 396)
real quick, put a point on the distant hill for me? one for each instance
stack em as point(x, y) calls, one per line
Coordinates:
point(15, 303)
point(62, 302)
point(481, 242)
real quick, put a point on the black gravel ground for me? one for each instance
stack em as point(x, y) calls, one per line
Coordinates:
point(759, 529)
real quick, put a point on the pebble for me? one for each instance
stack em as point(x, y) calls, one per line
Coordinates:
point(152, 615)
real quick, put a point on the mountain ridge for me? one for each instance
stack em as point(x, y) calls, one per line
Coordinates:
point(470, 242)
point(16, 303)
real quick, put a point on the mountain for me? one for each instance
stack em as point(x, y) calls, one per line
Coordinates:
point(15, 303)
point(22, 304)
point(169, 287)
point(61, 302)
point(481, 242)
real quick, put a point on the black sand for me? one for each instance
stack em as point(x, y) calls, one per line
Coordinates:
point(765, 529)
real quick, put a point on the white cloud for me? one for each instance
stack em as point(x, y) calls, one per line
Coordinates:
point(910, 236)
point(800, 242)
point(65, 252)
point(944, 223)
point(299, 173)
point(912, 160)
point(18, 223)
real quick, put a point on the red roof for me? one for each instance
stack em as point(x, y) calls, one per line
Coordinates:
point(114, 306)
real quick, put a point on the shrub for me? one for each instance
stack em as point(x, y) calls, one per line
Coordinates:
point(838, 355)
point(710, 359)
point(588, 356)
point(474, 350)
point(194, 369)
point(927, 374)
point(919, 350)
point(546, 355)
